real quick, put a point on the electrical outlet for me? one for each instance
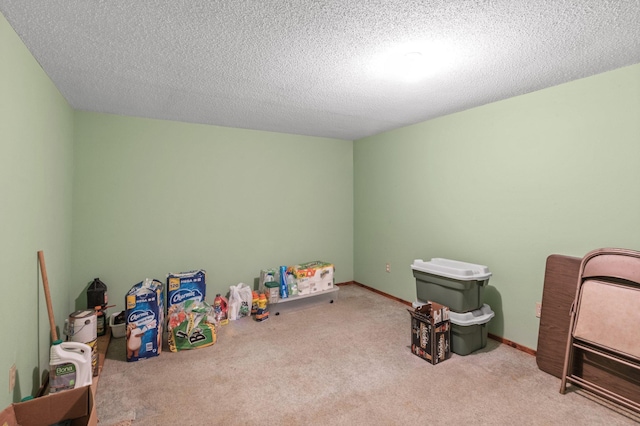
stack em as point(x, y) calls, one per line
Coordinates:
point(538, 309)
point(388, 267)
point(12, 377)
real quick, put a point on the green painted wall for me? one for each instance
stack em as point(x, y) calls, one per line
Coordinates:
point(503, 185)
point(153, 197)
point(36, 171)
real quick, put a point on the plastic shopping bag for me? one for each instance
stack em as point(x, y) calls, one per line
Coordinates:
point(240, 297)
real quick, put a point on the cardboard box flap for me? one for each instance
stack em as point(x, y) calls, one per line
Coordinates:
point(8, 417)
point(432, 312)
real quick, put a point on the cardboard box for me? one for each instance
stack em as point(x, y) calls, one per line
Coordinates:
point(314, 276)
point(431, 332)
point(144, 318)
point(75, 405)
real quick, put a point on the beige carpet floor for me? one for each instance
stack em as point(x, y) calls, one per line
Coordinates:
point(342, 363)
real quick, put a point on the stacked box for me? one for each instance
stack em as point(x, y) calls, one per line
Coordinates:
point(144, 319)
point(431, 332)
point(314, 276)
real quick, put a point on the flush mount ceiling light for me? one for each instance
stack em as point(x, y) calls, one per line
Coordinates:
point(412, 66)
point(413, 62)
point(409, 67)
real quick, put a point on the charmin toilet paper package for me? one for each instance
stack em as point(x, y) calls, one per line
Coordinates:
point(144, 319)
point(185, 286)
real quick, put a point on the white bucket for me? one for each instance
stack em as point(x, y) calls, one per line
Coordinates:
point(82, 327)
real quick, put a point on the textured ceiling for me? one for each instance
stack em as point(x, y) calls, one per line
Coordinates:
point(312, 67)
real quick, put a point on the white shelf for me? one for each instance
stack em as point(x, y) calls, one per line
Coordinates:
point(304, 300)
point(305, 296)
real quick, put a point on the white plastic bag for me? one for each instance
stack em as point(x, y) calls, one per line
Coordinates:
point(240, 298)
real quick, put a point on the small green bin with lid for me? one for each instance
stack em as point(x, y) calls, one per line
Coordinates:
point(458, 285)
point(469, 330)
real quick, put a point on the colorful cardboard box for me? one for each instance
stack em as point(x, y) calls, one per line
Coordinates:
point(314, 276)
point(144, 319)
point(431, 332)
